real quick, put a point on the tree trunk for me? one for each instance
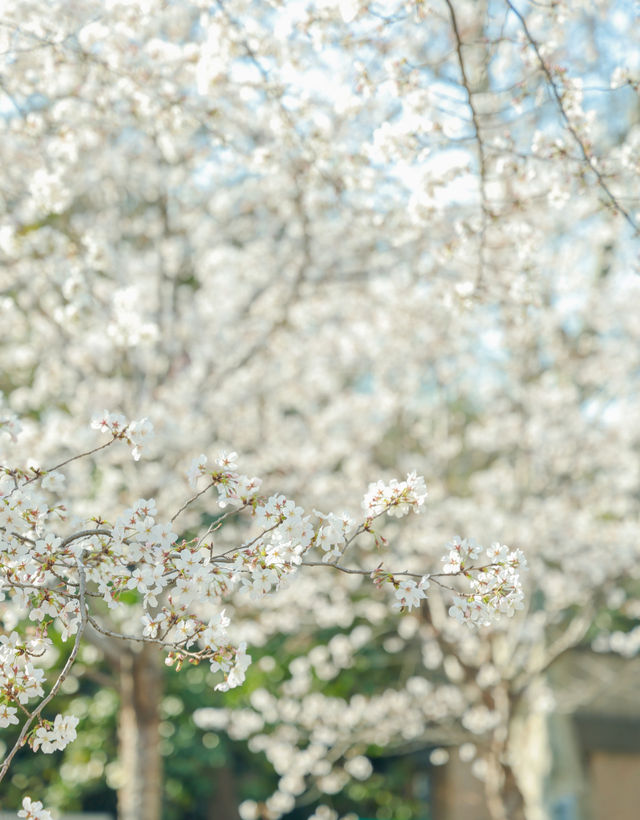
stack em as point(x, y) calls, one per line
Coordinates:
point(505, 800)
point(504, 797)
point(224, 801)
point(140, 795)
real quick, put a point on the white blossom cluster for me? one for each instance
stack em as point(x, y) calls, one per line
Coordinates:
point(333, 534)
point(135, 433)
point(397, 498)
point(50, 737)
point(296, 730)
point(495, 586)
point(181, 585)
point(409, 593)
point(20, 680)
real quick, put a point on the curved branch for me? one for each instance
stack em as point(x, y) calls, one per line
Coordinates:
point(588, 158)
point(61, 677)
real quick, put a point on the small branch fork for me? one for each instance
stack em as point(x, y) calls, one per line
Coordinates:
point(587, 156)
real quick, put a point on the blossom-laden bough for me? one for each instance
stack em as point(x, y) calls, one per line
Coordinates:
point(65, 582)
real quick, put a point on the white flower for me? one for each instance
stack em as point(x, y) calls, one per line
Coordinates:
point(162, 535)
point(145, 506)
point(33, 810)
point(49, 192)
point(7, 715)
point(152, 624)
point(248, 810)
point(619, 77)
point(215, 632)
point(359, 767)
point(107, 422)
point(497, 552)
point(10, 425)
point(228, 461)
point(348, 9)
point(461, 551)
point(43, 741)
point(409, 593)
point(332, 535)
point(138, 433)
point(53, 481)
point(196, 469)
point(237, 674)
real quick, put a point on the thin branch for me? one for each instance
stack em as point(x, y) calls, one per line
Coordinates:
point(80, 455)
point(179, 647)
point(431, 576)
point(61, 677)
point(588, 158)
point(486, 214)
point(191, 500)
point(84, 534)
point(42, 473)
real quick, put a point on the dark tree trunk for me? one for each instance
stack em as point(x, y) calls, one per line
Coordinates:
point(223, 804)
point(140, 795)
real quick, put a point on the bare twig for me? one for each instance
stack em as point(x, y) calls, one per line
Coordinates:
point(42, 473)
point(191, 500)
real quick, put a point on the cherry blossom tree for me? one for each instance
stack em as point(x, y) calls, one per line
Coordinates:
point(348, 240)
